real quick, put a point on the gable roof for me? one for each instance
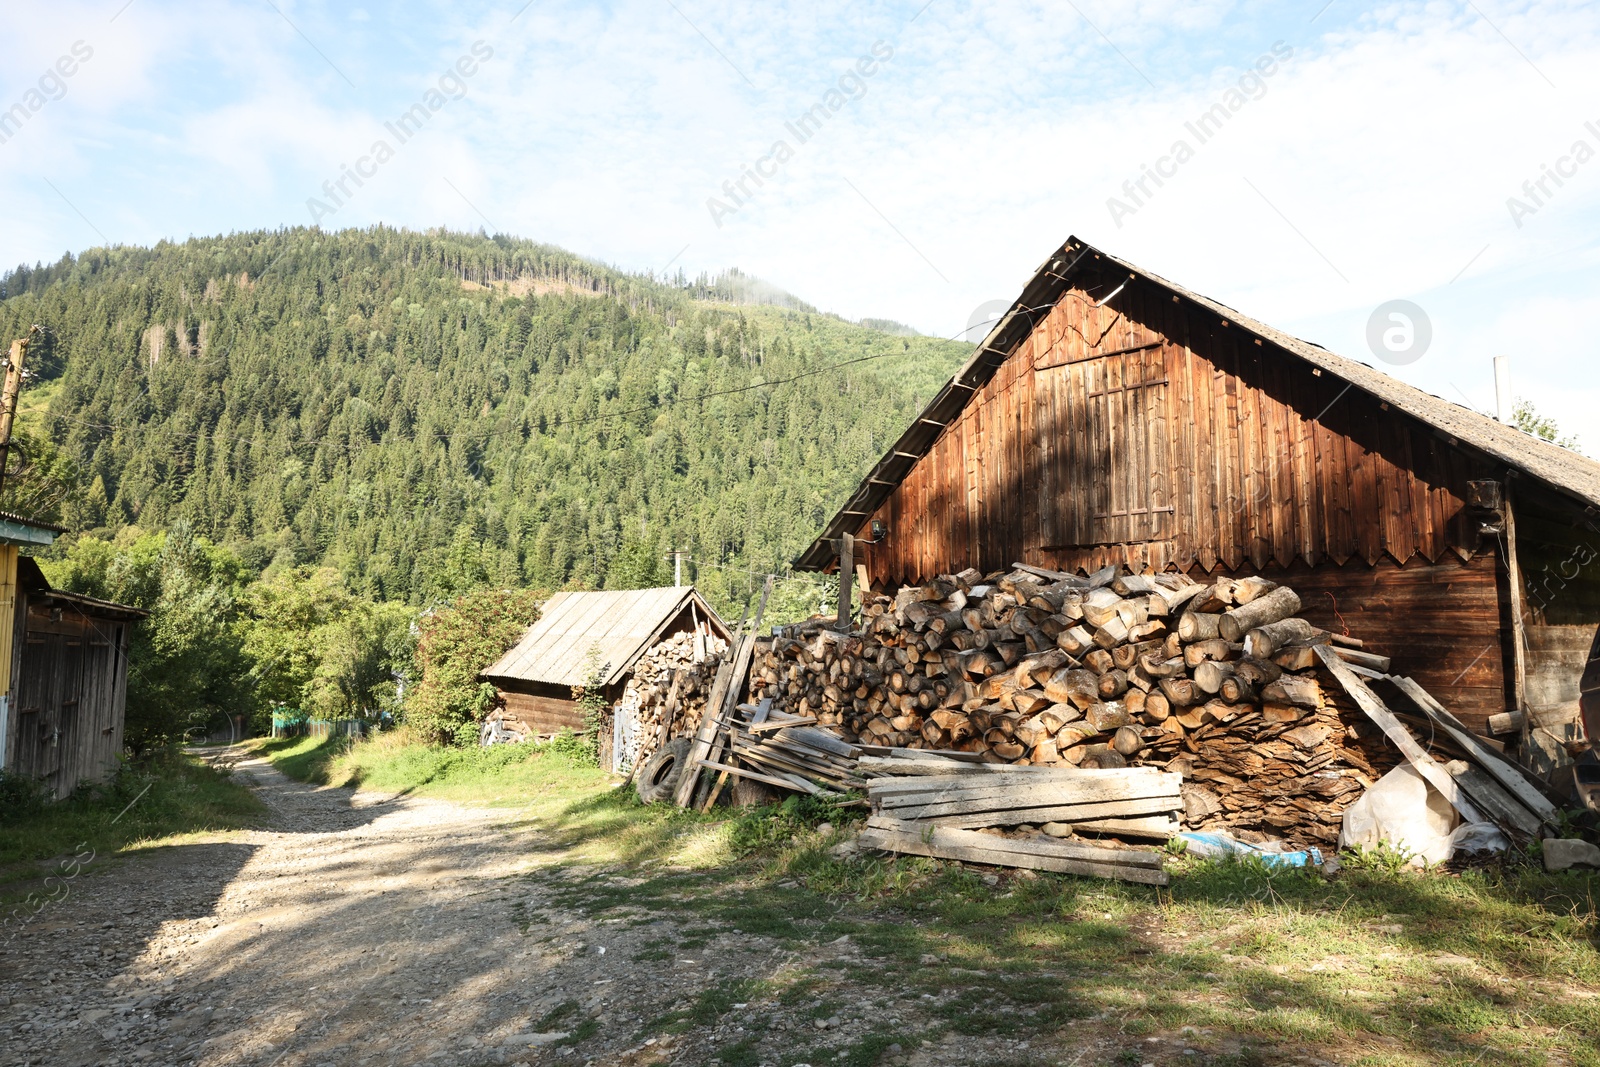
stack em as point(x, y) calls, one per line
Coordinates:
point(622, 624)
point(1576, 476)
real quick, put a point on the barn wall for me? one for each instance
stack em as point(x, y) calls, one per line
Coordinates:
point(1157, 436)
point(544, 709)
point(70, 694)
point(1172, 439)
point(1441, 624)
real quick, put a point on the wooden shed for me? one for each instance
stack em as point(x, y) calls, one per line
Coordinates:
point(1112, 416)
point(70, 673)
point(536, 678)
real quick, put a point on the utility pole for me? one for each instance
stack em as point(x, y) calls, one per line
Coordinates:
point(8, 399)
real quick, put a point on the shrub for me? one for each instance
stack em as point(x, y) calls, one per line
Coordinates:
point(454, 644)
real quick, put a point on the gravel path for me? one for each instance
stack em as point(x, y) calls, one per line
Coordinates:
point(375, 930)
point(359, 929)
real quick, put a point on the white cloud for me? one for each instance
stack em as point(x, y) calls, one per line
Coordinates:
point(1390, 142)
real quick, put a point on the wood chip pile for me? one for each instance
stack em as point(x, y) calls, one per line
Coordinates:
point(1216, 682)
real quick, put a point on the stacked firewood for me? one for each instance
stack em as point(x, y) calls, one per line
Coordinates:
point(1214, 681)
point(690, 661)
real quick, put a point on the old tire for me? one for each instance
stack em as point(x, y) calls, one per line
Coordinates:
point(658, 778)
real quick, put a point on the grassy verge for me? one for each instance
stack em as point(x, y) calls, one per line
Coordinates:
point(166, 795)
point(1378, 966)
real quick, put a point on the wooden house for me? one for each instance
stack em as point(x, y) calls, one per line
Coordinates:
point(1112, 416)
point(579, 632)
point(69, 668)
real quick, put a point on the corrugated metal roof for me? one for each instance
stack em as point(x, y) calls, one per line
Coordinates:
point(11, 516)
point(1564, 470)
point(622, 624)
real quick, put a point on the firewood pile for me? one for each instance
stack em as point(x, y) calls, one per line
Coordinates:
point(1216, 682)
point(670, 685)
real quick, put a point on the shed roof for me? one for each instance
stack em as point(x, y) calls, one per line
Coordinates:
point(1574, 475)
point(21, 530)
point(32, 579)
point(622, 624)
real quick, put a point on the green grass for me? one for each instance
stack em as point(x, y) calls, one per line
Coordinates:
point(167, 795)
point(393, 763)
point(1377, 966)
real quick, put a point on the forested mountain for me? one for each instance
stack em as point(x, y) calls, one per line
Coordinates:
point(431, 413)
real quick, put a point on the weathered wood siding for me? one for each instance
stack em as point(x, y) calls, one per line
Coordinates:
point(1155, 435)
point(544, 709)
point(70, 695)
point(1171, 439)
point(1443, 624)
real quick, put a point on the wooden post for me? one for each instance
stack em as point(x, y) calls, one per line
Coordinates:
point(847, 570)
point(8, 402)
point(721, 714)
point(1519, 637)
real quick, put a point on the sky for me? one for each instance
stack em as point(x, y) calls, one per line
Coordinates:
point(1439, 154)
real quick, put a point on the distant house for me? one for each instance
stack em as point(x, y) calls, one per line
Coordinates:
point(535, 679)
point(1112, 416)
point(68, 673)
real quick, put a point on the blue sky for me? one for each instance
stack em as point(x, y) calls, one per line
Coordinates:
point(1367, 153)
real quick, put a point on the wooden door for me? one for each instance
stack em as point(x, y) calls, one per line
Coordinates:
point(1107, 460)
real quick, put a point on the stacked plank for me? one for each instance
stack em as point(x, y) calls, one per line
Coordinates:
point(1136, 801)
point(789, 752)
point(674, 678)
point(1215, 681)
point(935, 805)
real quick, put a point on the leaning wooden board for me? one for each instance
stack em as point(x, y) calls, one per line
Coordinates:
point(1396, 731)
point(915, 839)
point(1503, 771)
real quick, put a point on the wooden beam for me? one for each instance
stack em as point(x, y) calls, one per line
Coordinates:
point(1519, 637)
point(1513, 779)
point(702, 738)
point(847, 568)
point(1396, 731)
point(971, 847)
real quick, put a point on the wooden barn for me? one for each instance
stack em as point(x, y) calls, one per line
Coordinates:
point(1112, 416)
point(578, 631)
point(69, 668)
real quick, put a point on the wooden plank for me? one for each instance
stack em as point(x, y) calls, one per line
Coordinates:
point(819, 739)
point(719, 713)
point(793, 782)
point(974, 848)
point(931, 765)
point(978, 813)
point(1064, 789)
point(1509, 776)
point(761, 712)
point(1500, 806)
point(1156, 827)
point(1396, 731)
point(773, 726)
point(1126, 857)
point(704, 736)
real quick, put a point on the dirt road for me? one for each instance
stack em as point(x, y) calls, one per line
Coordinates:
point(363, 929)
